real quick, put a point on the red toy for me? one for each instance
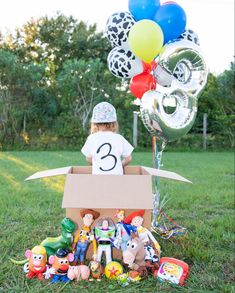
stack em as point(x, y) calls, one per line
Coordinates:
point(172, 270)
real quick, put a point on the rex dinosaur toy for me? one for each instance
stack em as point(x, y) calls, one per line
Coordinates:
point(51, 244)
point(65, 240)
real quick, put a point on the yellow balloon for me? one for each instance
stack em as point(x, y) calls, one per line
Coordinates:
point(145, 39)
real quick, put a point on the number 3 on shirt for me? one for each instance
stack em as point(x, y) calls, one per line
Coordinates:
point(106, 156)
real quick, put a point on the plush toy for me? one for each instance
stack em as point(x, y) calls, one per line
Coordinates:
point(60, 265)
point(172, 270)
point(78, 273)
point(96, 270)
point(37, 258)
point(134, 255)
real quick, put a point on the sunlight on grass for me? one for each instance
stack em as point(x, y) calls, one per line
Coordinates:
point(56, 183)
point(20, 163)
point(11, 181)
point(31, 211)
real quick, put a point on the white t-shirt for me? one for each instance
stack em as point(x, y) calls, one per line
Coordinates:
point(106, 149)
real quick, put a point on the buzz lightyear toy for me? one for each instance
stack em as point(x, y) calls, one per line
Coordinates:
point(105, 234)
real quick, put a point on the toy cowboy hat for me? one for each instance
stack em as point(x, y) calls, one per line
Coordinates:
point(95, 214)
point(139, 213)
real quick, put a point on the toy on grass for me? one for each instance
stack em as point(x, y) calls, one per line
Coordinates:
point(84, 236)
point(96, 270)
point(60, 265)
point(105, 234)
point(37, 266)
point(113, 269)
point(134, 276)
point(152, 255)
point(123, 231)
point(52, 244)
point(134, 255)
point(172, 270)
point(78, 273)
point(123, 279)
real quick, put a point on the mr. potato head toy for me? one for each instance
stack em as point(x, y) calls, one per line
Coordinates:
point(37, 262)
point(60, 265)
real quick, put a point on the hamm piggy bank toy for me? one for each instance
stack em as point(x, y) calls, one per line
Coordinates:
point(60, 265)
point(37, 262)
point(78, 273)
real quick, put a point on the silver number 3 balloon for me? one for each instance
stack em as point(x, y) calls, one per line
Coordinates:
point(181, 73)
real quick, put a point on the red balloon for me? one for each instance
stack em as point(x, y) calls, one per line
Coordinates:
point(148, 67)
point(142, 83)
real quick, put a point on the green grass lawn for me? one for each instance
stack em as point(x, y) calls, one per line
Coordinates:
point(31, 211)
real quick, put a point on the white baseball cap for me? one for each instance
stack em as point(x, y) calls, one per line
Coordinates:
point(104, 112)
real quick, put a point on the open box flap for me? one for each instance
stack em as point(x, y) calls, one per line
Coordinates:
point(50, 173)
point(165, 174)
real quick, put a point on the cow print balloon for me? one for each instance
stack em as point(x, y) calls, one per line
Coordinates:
point(123, 63)
point(118, 27)
point(190, 35)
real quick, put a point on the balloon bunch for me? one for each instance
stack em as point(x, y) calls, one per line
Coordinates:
point(164, 62)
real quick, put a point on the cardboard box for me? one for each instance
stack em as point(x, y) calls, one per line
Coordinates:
point(106, 193)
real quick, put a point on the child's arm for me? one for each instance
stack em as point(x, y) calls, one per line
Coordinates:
point(89, 160)
point(126, 160)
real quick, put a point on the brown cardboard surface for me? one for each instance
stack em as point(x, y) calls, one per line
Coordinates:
point(49, 173)
point(74, 215)
point(164, 174)
point(129, 170)
point(108, 191)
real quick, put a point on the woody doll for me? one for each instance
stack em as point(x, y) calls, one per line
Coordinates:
point(84, 236)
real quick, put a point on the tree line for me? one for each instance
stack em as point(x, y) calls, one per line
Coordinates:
point(54, 70)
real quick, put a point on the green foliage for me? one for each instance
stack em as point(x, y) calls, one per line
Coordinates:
point(54, 70)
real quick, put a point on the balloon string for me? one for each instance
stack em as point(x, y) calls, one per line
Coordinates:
point(157, 157)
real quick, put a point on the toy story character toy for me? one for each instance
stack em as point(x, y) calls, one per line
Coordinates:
point(96, 270)
point(134, 276)
point(60, 265)
point(123, 279)
point(136, 219)
point(105, 233)
point(123, 231)
point(78, 273)
point(134, 255)
point(52, 244)
point(37, 262)
point(84, 236)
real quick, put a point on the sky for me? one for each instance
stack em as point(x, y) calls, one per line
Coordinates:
point(212, 20)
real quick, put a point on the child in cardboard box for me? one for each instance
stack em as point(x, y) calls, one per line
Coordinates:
point(105, 149)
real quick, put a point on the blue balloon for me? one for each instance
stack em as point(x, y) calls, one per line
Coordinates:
point(143, 9)
point(172, 19)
